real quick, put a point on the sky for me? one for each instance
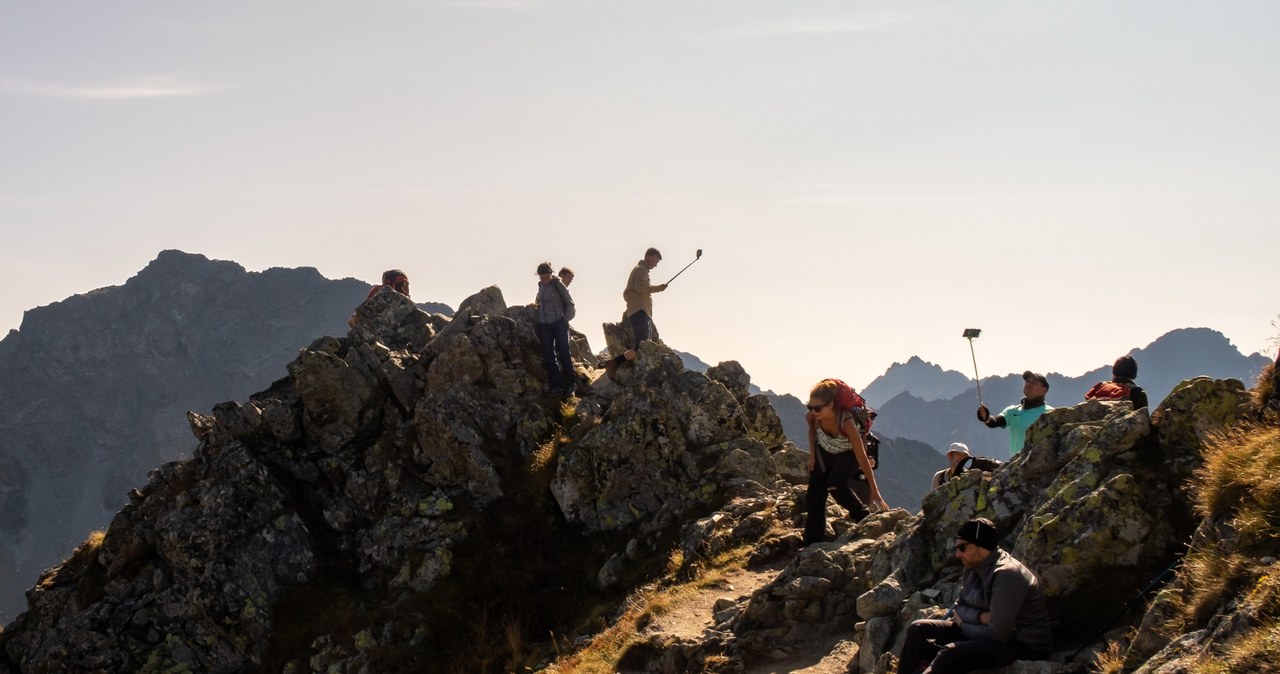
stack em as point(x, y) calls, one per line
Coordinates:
point(866, 179)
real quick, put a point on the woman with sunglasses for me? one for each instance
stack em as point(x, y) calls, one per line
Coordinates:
point(836, 449)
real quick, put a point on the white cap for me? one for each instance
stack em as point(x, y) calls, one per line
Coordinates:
point(958, 447)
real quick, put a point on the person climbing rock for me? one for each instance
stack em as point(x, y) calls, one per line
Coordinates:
point(836, 448)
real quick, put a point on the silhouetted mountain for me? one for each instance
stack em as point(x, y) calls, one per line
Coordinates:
point(96, 388)
point(922, 379)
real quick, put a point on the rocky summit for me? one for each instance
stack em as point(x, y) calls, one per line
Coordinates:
point(1098, 504)
point(406, 499)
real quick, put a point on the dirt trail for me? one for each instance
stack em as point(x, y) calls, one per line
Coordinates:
point(692, 616)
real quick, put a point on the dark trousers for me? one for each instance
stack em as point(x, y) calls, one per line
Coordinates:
point(639, 326)
point(831, 472)
point(555, 353)
point(940, 646)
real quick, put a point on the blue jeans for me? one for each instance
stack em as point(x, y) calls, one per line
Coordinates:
point(555, 353)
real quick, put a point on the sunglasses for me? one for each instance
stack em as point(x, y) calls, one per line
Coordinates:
point(817, 408)
point(961, 547)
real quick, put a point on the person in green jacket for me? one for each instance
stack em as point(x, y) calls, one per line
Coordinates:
point(1018, 418)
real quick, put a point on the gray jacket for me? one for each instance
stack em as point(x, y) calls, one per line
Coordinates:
point(1011, 592)
point(553, 301)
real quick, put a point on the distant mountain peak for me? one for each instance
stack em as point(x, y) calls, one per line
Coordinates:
point(923, 379)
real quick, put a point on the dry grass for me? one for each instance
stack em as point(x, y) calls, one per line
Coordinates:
point(1265, 388)
point(77, 563)
point(1110, 661)
point(602, 654)
point(1240, 481)
point(1239, 487)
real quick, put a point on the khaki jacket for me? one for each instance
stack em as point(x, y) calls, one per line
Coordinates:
point(639, 291)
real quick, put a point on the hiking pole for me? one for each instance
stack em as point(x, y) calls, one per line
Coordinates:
point(972, 334)
point(695, 259)
point(1155, 582)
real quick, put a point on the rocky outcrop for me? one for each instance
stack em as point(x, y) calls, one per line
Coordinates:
point(1163, 364)
point(366, 511)
point(95, 388)
point(1096, 504)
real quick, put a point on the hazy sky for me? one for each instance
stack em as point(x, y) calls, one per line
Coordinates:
point(866, 179)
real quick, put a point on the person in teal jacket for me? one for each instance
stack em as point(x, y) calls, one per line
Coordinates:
point(1018, 418)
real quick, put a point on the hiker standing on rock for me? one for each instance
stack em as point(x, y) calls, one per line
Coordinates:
point(1018, 418)
point(1000, 615)
point(836, 449)
point(1121, 386)
point(639, 313)
point(555, 309)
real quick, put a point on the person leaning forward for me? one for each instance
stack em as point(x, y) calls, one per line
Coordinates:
point(836, 450)
point(639, 297)
point(1018, 418)
point(999, 616)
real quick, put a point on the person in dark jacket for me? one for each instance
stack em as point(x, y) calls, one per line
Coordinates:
point(999, 616)
point(555, 308)
point(1121, 386)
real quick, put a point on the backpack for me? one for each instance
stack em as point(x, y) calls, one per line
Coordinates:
point(1108, 390)
point(978, 463)
point(569, 309)
point(848, 400)
point(873, 451)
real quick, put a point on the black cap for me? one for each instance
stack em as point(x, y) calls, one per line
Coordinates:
point(980, 532)
point(1035, 376)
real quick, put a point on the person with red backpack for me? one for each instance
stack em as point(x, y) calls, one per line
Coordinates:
point(391, 278)
point(838, 424)
point(1121, 386)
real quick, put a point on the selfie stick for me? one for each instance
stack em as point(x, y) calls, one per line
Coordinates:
point(695, 259)
point(971, 334)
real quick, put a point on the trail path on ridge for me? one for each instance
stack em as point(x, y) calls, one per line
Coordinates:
point(693, 615)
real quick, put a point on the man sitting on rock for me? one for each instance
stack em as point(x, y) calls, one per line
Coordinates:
point(1018, 418)
point(999, 617)
point(957, 453)
point(1121, 386)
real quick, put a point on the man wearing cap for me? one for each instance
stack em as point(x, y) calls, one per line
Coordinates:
point(1018, 418)
point(999, 615)
point(957, 453)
